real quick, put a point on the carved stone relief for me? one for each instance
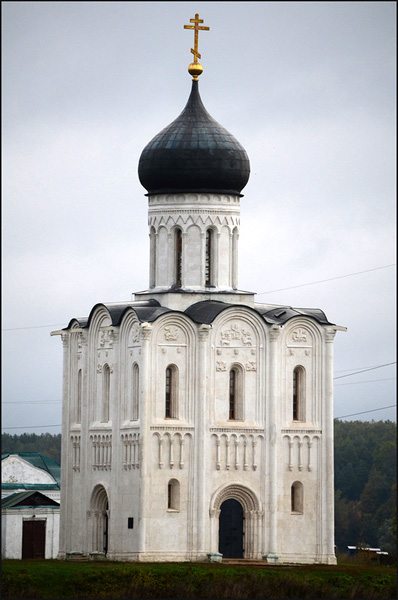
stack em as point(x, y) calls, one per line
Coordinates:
point(135, 334)
point(100, 368)
point(106, 339)
point(235, 335)
point(300, 336)
point(171, 333)
point(221, 365)
point(251, 366)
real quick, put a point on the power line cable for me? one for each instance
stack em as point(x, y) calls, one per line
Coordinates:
point(353, 369)
point(349, 374)
point(366, 381)
point(59, 401)
point(33, 402)
point(292, 287)
point(364, 412)
point(31, 426)
point(364, 370)
point(337, 384)
point(258, 294)
point(32, 327)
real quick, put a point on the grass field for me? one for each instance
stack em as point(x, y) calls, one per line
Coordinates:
point(58, 580)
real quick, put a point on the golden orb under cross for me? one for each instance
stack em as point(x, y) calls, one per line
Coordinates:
point(195, 69)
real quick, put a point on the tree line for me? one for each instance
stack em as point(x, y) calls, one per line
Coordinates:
point(365, 479)
point(365, 484)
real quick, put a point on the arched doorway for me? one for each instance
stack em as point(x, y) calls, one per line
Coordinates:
point(100, 518)
point(231, 529)
point(236, 521)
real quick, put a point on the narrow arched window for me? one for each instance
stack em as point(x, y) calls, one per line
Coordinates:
point(79, 397)
point(106, 385)
point(299, 394)
point(232, 394)
point(235, 395)
point(173, 495)
point(178, 257)
point(297, 497)
point(235, 237)
point(135, 389)
point(209, 257)
point(171, 392)
point(152, 258)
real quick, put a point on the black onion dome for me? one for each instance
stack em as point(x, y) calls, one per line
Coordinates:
point(194, 154)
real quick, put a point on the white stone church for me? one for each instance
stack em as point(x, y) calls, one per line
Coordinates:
point(197, 423)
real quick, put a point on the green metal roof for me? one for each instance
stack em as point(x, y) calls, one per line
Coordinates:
point(41, 461)
point(32, 499)
point(30, 486)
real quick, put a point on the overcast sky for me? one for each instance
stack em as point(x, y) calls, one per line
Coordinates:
point(308, 88)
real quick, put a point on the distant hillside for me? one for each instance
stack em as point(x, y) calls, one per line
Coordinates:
point(365, 484)
point(365, 478)
point(45, 443)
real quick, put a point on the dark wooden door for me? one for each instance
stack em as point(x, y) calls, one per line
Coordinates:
point(231, 529)
point(33, 539)
point(105, 540)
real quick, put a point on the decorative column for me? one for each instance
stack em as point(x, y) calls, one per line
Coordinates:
point(152, 257)
point(181, 464)
point(171, 461)
point(200, 442)
point(218, 463)
point(327, 458)
point(217, 258)
point(290, 454)
point(214, 531)
point(65, 504)
point(235, 238)
point(245, 465)
point(300, 457)
point(171, 252)
point(273, 482)
point(231, 260)
point(144, 411)
point(203, 257)
point(160, 452)
point(184, 265)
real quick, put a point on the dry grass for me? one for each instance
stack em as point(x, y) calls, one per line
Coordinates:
point(62, 580)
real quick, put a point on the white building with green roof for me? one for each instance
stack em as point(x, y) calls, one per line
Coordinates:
point(30, 506)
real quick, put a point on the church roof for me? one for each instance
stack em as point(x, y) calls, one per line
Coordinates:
point(194, 154)
point(203, 312)
point(146, 311)
point(281, 314)
point(207, 310)
point(40, 461)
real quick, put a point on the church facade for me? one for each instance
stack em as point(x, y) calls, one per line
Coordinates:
point(197, 423)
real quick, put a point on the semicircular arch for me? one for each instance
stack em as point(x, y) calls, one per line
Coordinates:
point(178, 320)
point(235, 491)
point(99, 498)
point(242, 315)
point(306, 324)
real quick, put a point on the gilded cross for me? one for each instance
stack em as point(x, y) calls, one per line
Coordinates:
point(196, 27)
